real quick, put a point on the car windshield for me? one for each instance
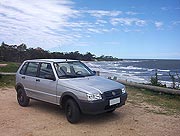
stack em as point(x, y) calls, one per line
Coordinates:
point(72, 69)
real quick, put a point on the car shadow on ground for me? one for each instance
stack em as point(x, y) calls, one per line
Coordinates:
point(101, 118)
point(85, 119)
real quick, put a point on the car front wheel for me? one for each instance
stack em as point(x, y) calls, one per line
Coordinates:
point(72, 111)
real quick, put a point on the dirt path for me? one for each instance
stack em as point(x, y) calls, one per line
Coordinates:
point(3, 65)
point(42, 119)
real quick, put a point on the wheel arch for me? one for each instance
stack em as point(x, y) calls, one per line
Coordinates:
point(18, 86)
point(68, 95)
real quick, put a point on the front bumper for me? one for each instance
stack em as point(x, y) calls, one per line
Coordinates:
point(101, 106)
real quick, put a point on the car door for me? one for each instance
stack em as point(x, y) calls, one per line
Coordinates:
point(28, 78)
point(46, 83)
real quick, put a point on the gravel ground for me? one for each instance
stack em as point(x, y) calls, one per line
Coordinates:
point(43, 119)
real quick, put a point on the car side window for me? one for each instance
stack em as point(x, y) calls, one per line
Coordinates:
point(32, 69)
point(46, 71)
point(23, 69)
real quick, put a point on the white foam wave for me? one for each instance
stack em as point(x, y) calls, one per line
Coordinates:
point(134, 61)
point(163, 70)
point(150, 70)
point(131, 68)
point(133, 72)
point(111, 69)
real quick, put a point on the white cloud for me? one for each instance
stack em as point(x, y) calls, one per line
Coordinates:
point(101, 22)
point(158, 24)
point(94, 30)
point(132, 30)
point(131, 13)
point(48, 23)
point(52, 23)
point(127, 21)
point(176, 22)
point(37, 23)
point(101, 13)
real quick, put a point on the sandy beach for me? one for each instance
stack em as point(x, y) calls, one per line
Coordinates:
point(43, 119)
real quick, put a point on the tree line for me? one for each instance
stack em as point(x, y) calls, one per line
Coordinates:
point(19, 53)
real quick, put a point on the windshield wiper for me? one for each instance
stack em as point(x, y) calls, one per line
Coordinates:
point(71, 76)
point(68, 76)
point(88, 75)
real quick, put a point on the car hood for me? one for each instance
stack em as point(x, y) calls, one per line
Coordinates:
point(91, 84)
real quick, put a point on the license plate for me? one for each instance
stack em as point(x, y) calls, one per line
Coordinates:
point(114, 101)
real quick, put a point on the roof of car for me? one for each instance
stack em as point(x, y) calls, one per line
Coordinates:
point(52, 60)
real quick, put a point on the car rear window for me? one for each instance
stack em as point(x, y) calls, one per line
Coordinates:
point(32, 69)
point(23, 69)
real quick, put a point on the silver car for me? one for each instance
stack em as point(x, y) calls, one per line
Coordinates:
point(69, 84)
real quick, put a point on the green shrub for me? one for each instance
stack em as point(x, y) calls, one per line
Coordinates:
point(10, 67)
point(155, 81)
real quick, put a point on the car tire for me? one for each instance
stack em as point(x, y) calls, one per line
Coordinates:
point(22, 98)
point(72, 111)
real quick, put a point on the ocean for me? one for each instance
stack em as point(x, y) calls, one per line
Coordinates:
point(139, 71)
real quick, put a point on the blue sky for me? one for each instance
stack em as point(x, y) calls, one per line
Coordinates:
point(120, 28)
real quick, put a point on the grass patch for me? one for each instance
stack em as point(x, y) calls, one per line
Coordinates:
point(10, 67)
point(170, 103)
point(7, 81)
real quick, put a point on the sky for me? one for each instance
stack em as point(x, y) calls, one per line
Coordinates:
point(129, 29)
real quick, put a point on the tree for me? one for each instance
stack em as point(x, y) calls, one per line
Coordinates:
point(22, 47)
point(89, 56)
point(19, 53)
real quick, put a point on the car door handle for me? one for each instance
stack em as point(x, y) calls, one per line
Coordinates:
point(38, 80)
point(23, 77)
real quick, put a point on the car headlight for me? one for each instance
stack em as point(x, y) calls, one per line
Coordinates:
point(123, 90)
point(93, 97)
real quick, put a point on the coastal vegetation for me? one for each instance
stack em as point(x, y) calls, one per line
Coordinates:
point(10, 67)
point(168, 104)
point(175, 78)
point(155, 80)
point(19, 53)
point(7, 81)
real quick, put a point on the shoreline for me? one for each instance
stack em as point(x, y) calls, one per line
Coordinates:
point(150, 87)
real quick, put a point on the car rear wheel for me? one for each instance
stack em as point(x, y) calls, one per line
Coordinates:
point(22, 98)
point(72, 111)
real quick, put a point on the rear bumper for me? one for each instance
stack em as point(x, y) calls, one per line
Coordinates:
point(101, 106)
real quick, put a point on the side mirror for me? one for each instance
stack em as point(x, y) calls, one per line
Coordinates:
point(50, 77)
point(94, 72)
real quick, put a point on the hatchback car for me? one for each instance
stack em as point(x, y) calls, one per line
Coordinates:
point(69, 84)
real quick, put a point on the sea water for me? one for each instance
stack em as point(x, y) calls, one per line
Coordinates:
point(139, 71)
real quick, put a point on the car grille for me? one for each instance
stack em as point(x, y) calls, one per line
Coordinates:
point(112, 94)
